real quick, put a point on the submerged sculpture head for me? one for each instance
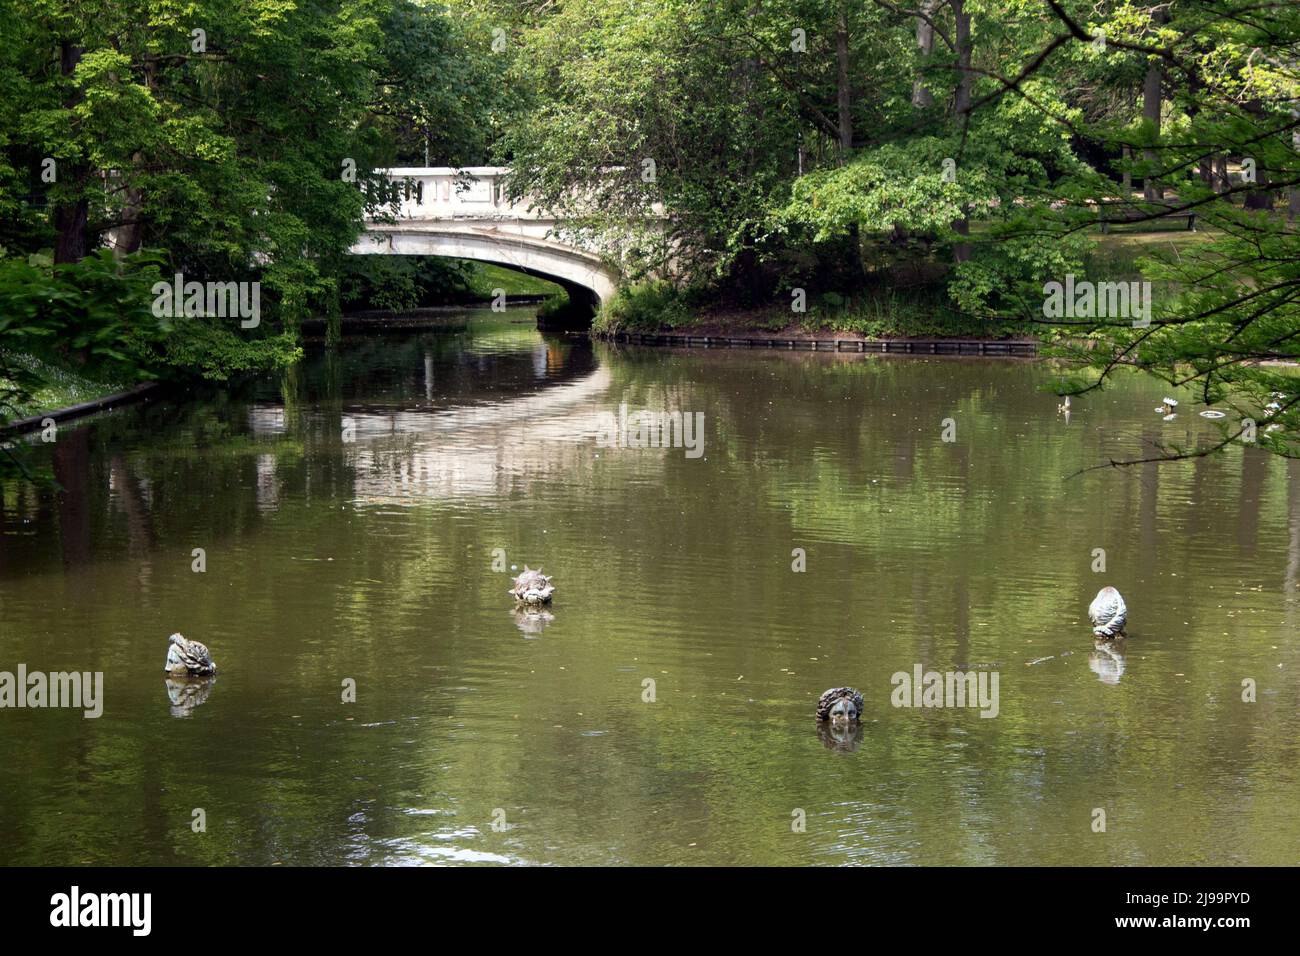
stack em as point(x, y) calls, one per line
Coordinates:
point(532, 587)
point(186, 658)
point(843, 713)
point(1108, 613)
point(841, 707)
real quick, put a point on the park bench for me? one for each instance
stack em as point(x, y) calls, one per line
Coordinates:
point(1122, 212)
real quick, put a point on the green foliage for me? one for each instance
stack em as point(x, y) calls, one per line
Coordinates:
point(830, 169)
point(405, 282)
point(616, 85)
point(446, 93)
point(1007, 273)
point(925, 184)
point(236, 159)
point(1225, 319)
point(892, 313)
point(93, 316)
point(216, 352)
point(553, 307)
point(642, 307)
point(232, 157)
point(55, 386)
point(93, 321)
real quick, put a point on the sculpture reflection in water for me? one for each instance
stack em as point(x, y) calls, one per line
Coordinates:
point(1107, 660)
point(186, 693)
point(532, 620)
point(840, 737)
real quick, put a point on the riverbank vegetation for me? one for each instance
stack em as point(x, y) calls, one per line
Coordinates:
point(870, 168)
point(225, 142)
point(800, 157)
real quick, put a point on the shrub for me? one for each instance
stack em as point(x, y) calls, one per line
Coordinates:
point(642, 307)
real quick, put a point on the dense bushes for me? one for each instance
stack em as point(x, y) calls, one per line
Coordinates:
point(93, 317)
point(404, 282)
point(647, 306)
point(95, 320)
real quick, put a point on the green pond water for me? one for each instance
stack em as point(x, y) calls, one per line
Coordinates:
point(350, 515)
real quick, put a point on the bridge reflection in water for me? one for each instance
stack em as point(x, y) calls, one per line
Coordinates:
point(467, 452)
point(519, 415)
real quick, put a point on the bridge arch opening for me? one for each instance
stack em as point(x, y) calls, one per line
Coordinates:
point(579, 274)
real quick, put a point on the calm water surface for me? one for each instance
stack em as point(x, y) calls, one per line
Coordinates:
point(372, 560)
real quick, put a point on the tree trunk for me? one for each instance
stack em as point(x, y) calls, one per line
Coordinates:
point(921, 95)
point(961, 106)
point(132, 232)
point(70, 223)
point(844, 98)
point(1205, 170)
point(71, 215)
point(1293, 204)
point(1261, 197)
point(1151, 112)
point(1205, 165)
point(1155, 77)
point(844, 104)
point(922, 98)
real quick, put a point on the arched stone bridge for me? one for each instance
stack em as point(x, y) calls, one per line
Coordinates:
point(464, 213)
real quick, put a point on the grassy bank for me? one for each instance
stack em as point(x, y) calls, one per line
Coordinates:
point(60, 388)
point(487, 278)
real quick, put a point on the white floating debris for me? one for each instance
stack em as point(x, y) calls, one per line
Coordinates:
point(1213, 413)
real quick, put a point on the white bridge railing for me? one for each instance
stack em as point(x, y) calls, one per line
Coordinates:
point(466, 192)
point(444, 192)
